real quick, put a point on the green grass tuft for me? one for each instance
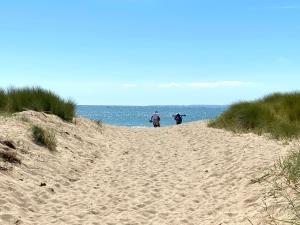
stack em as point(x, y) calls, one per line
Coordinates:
point(284, 191)
point(44, 137)
point(38, 99)
point(99, 123)
point(277, 114)
point(291, 167)
point(3, 100)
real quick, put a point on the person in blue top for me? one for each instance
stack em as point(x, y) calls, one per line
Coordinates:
point(178, 118)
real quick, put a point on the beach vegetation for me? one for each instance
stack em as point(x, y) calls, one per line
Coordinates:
point(290, 167)
point(3, 100)
point(37, 99)
point(276, 114)
point(44, 137)
point(284, 191)
point(99, 123)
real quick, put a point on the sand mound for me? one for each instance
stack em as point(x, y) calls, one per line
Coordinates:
point(187, 174)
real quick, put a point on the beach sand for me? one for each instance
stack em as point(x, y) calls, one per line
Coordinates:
point(186, 174)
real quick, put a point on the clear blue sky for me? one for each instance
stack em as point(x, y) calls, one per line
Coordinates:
point(141, 52)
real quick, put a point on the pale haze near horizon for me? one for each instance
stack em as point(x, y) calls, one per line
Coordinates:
point(151, 52)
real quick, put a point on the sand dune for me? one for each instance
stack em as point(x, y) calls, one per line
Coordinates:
point(187, 174)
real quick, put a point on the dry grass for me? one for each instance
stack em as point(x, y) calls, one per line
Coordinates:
point(44, 137)
point(282, 202)
point(99, 123)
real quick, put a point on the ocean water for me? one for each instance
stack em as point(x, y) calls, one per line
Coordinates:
point(139, 116)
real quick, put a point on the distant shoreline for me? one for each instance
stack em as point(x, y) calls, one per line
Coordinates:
point(138, 116)
point(156, 105)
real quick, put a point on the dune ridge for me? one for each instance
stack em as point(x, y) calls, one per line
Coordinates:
point(187, 174)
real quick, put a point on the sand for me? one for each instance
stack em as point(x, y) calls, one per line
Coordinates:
point(186, 174)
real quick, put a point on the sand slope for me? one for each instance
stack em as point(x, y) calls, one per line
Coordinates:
point(187, 174)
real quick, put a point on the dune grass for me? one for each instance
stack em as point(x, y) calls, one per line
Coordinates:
point(38, 99)
point(284, 191)
point(99, 123)
point(277, 114)
point(291, 167)
point(44, 137)
point(3, 100)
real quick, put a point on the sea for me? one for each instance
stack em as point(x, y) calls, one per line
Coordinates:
point(139, 116)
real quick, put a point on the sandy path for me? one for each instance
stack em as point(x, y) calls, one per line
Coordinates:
point(187, 174)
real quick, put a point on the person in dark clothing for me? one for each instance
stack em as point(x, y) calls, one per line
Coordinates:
point(178, 118)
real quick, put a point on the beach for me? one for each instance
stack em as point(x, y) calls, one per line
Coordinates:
point(108, 175)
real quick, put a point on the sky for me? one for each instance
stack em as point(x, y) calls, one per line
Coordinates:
point(151, 52)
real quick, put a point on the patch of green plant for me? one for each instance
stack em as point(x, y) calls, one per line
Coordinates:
point(291, 167)
point(284, 191)
point(44, 137)
point(3, 100)
point(277, 114)
point(99, 123)
point(38, 99)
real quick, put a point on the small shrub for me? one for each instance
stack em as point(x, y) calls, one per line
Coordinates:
point(44, 137)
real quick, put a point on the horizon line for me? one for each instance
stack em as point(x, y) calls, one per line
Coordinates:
point(155, 105)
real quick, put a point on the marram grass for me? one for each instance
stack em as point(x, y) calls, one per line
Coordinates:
point(38, 99)
point(277, 114)
point(44, 137)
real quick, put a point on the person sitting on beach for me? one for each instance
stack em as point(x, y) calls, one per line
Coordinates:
point(155, 119)
point(178, 118)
